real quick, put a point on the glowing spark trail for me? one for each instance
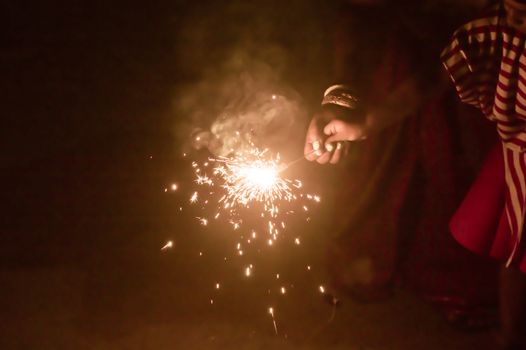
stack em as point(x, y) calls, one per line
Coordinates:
point(271, 312)
point(248, 271)
point(168, 244)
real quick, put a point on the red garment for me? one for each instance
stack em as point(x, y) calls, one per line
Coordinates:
point(486, 62)
point(480, 224)
point(403, 185)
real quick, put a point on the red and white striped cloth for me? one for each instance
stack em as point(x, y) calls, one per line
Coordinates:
point(486, 61)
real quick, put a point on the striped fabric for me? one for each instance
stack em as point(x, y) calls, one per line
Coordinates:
point(486, 61)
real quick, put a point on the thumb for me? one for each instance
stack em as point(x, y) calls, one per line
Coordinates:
point(333, 139)
point(332, 127)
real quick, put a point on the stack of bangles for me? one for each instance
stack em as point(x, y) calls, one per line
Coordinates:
point(340, 95)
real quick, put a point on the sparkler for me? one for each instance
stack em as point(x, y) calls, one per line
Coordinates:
point(254, 178)
point(249, 180)
point(230, 187)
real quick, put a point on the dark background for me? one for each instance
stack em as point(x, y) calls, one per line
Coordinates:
point(91, 138)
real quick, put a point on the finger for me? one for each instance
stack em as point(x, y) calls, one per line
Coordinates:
point(334, 139)
point(307, 150)
point(346, 146)
point(312, 141)
point(324, 158)
point(337, 153)
point(329, 146)
point(313, 150)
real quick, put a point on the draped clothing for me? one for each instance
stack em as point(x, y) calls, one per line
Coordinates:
point(403, 183)
point(486, 60)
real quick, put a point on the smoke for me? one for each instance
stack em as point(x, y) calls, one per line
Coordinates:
point(242, 104)
point(245, 67)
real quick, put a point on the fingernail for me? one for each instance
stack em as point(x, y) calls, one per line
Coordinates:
point(339, 145)
point(318, 153)
point(316, 145)
point(329, 147)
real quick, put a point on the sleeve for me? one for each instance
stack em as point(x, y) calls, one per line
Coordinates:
point(470, 61)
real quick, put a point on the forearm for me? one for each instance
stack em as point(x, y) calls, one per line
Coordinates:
point(402, 102)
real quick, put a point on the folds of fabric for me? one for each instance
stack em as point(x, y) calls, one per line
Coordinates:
point(486, 61)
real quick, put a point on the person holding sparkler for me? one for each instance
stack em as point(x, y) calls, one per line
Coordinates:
point(395, 122)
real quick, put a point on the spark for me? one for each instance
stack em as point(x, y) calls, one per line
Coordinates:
point(271, 312)
point(168, 244)
point(202, 221)
point(244, 186)
point(203, 180)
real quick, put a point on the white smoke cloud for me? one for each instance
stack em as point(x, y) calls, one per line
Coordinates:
point(241, 104)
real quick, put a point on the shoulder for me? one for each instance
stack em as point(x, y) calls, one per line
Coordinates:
point(487, 22)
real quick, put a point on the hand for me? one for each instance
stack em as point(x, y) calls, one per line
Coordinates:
point(316, 147)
